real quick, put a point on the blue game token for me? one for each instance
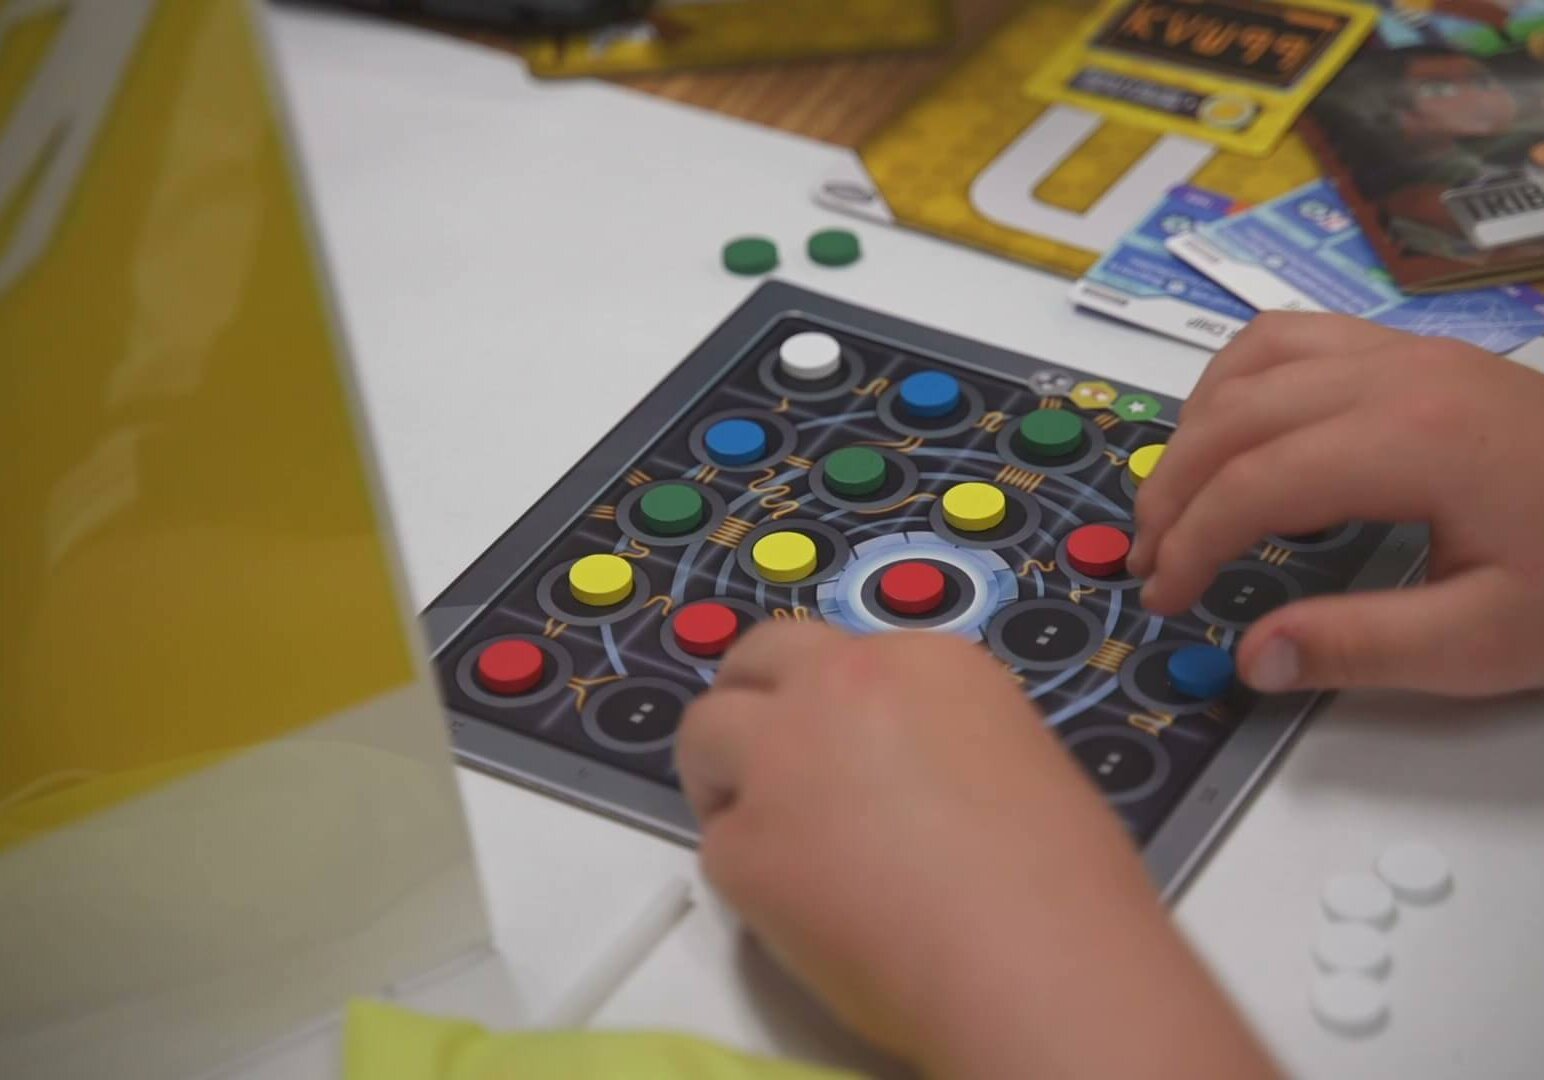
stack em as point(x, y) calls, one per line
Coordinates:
point(1201, 671)
point(930, 393)
point(736, 442)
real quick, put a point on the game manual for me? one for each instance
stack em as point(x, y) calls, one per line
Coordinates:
point(1434, 134)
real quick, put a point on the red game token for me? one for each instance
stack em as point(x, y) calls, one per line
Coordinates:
point(706, 629)
point(912, 588)
point(511, 667)
point(1098, 551)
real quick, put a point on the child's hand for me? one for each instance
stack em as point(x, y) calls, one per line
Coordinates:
point(1308, 421)
point(893, 820)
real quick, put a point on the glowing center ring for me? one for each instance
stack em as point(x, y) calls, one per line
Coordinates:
point(993, 584)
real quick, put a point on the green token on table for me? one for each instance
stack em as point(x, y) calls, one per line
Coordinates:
point(1051, 432)
point(672, 509)
point(835, 247)
point(855, 471)
point(750, 255)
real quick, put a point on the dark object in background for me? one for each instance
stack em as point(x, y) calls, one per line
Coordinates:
point(519, 16)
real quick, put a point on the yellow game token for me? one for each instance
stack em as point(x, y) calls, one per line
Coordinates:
point(785, 556)
point(974, 507)
point(1143, 461)
point(601, 580)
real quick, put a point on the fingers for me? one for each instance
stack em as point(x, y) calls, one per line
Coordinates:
point(771, 651)
point(713, 746)
point(1447, 638)
point(1280, 337)
point(1255, 410)
point(1312, 478)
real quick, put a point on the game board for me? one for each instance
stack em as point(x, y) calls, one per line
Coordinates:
point(813, 460)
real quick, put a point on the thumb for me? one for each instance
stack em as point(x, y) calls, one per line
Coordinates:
point(1445, 638)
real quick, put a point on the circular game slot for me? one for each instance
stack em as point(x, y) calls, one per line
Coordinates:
point(1043, 441)
point(793, 552)
point(1045, 635)
point(930, 404)
point(962, 520)
point(1094, 555)
point(594, 590)
point(739, 439)
point(671, 513)
point(862, 478)
point(1147, 678)
point(1127, 765)
point(810, 365)
point(635, 715)
point(1244, 592)
point(1320, 539)
point(699, 634)
point(514, 671)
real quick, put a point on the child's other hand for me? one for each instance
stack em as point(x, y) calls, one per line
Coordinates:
point(1308, 421)
point(892, 818)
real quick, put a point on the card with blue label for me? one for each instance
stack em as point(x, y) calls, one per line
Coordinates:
point(1305, 252)
point(1140, 282)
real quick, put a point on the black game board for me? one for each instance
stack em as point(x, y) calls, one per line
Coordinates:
point(598, 726)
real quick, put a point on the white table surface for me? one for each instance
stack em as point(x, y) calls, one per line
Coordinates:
point(519, 262)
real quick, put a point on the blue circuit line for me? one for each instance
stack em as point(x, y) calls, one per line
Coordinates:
point(610, 641)
point(1082, 704)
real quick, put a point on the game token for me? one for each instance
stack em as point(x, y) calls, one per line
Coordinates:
point(1143, 461)
point(1051, 432)
point(1416, 872)
point(929, 393)
point(672, 509)
point(1353, 947)
point(1358, 897)
point(785, 557)
point(736, 442)
point(1098, 551)
point(511, 667)
point(601, 580)
point(1200, 671)
point(810, 357)
point(912, 588)
point(1348, 1003)
point(706, 629)
point(750, 255)
point(855, 471)
point(835, 247)
point(974, 506)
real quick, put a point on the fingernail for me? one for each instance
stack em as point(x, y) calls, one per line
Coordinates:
point(1277, 668)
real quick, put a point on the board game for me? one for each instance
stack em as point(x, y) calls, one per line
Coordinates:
point(814, 460)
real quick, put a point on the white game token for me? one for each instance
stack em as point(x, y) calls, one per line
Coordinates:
point(810, 356)
point(1416, 872)
point(1352, 947)
point(1349, 1004)
point(1358, 897)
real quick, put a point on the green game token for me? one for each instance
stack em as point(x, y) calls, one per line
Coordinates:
point(835, 247)
point(750, 255)
point(1051, 432)
point(672, 509)
point(1137, 407)
point(855, 471)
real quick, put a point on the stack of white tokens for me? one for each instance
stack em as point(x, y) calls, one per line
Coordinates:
point(1352, 952)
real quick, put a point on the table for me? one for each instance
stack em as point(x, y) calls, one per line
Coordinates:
point(518, 263)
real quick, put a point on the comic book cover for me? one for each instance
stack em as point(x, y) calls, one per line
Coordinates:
point(1434, 134)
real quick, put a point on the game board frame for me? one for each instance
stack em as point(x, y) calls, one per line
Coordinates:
point(1175, 849)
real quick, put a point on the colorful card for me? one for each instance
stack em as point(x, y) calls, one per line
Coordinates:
point(1305, 252)
point(1233, 72)
point(687, 34)
point(1142, 283)
point(1434, 134)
